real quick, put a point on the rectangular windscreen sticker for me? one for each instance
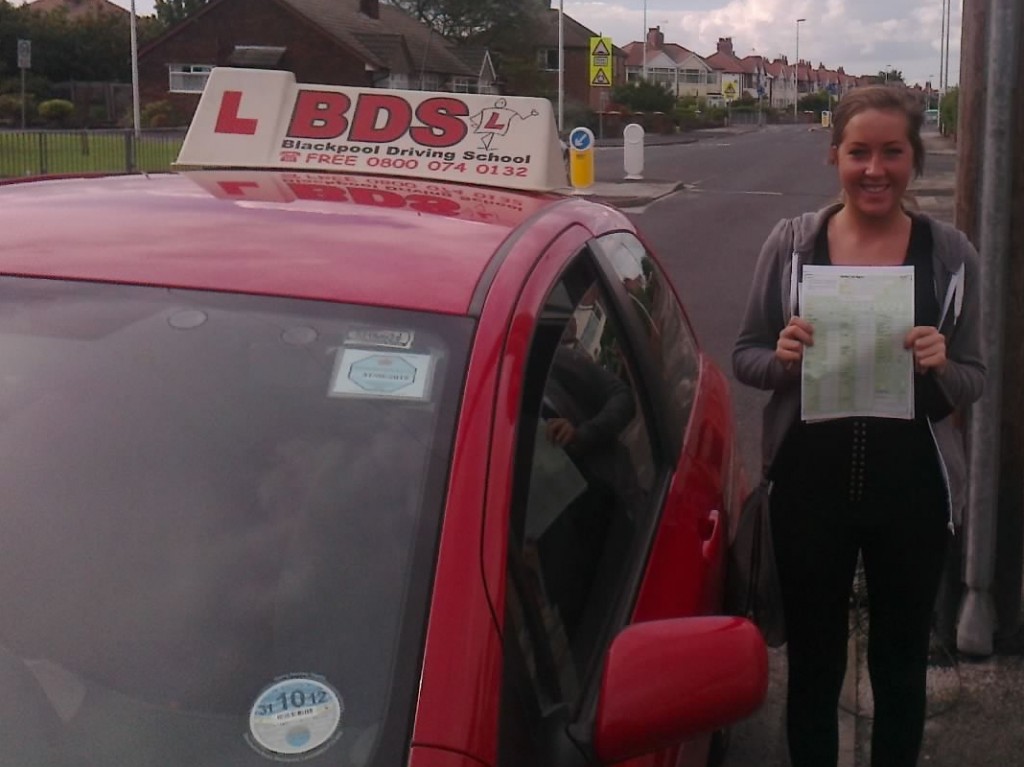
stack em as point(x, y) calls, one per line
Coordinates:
point(368, 373)
point(393, 339)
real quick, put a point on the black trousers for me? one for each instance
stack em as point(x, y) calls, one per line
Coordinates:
point(903, 551)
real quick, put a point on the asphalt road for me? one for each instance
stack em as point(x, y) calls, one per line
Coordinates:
point(709, 234)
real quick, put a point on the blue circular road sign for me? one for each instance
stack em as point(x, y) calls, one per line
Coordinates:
point(581, 139)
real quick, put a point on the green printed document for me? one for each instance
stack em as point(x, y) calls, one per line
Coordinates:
point(857, 365)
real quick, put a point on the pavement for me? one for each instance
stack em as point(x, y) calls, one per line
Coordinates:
point(975, 706)
point(624, 192)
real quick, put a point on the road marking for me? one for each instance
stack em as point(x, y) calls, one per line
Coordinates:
point(692, 188)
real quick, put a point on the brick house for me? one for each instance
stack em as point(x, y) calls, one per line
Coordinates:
point(335, 42)
point(576, 49)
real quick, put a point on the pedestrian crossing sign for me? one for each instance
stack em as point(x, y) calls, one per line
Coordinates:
point(601, 62)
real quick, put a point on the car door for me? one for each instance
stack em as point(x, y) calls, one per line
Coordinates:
point(597, 447)
point(686, 569)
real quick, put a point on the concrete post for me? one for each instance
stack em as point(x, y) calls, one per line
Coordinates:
point(1010, 541)
point(978, 620)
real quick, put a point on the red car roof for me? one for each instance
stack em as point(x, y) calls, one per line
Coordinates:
point(402, 243)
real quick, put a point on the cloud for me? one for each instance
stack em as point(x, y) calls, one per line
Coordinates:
point(863, 36)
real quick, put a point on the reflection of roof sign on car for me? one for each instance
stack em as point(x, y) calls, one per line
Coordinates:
point(411, 463)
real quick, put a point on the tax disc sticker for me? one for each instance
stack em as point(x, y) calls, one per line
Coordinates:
point(295, 718)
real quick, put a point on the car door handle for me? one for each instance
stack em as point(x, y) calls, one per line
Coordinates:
point(710, 534)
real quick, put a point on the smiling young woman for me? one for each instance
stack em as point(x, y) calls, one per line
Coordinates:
point(877, 149)
point(884, 489)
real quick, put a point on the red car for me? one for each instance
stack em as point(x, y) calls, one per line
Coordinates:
point(355, 469)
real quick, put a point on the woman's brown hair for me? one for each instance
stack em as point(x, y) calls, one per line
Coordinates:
point(883, 99)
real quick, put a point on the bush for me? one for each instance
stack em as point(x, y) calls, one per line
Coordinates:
point(642, 96)
point(10, 109)
point(57, 111)
point(160, 114)
point(692, 113)
point(948, 112)
point(577, 115)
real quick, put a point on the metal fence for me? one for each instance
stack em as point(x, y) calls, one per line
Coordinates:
point(47, 152)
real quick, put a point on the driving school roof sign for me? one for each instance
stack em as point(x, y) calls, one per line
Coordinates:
point(251, 118)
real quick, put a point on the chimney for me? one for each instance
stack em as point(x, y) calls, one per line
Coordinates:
point(725, 46)
point(370, 8)
point(655, 38)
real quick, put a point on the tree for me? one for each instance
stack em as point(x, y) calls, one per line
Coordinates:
point(459, 20)
point(887, 76)
point(95, 47)
point(644, 96)
point(949, 110)
point(816, 102)
point(171, 12)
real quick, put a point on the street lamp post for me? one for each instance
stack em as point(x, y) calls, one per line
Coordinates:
point(796, 71)
point(136, 109)
point(645, 42)
point(561, 67)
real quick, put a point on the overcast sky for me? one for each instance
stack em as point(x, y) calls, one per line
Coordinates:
point(862, 36)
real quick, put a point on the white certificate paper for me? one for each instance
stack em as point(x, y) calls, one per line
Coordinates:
point(857, 365)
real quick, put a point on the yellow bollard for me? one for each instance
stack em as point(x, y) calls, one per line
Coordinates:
point(581, 158)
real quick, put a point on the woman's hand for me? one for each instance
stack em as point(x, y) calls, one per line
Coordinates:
point(792, 340)
point(560, 431)
point(929, 347)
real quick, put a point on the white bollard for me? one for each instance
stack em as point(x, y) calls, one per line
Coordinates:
point(633, 150)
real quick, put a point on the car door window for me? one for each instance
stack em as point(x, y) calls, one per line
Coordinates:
point(584, 495)
point(671, 343)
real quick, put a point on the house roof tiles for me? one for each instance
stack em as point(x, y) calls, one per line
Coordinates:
point(394, 41)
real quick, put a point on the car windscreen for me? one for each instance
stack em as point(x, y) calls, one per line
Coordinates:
point(217, 525)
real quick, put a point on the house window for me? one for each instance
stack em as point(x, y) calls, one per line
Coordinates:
point(396, 80)
point(429, 81)
point(188, 78)
point(463, 85)
point(547, 59)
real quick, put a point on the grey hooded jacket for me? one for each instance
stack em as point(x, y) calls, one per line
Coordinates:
point(773, 300)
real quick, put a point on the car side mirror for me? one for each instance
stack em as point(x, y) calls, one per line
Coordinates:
point(666, 681)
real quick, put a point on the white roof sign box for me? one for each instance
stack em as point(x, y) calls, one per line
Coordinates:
point(250, 118)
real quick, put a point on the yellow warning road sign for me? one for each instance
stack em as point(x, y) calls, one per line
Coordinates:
point(601, 62)
point(730, 88)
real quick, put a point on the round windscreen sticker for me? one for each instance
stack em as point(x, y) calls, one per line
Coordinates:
point(295, 717)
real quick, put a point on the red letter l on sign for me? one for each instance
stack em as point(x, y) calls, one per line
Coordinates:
point(228, 120)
